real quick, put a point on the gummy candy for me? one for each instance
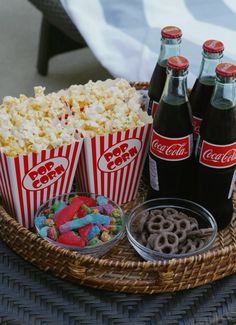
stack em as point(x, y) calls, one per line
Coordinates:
point(70, 238)
point(81, 222)
point(94, 231)
point(68, 212)
point(101, 200)
point(83, 231)
point(74, 224)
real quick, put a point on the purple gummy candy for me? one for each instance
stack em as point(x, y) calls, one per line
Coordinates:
point(102, 227)
point(99, 208)
point(107, 208)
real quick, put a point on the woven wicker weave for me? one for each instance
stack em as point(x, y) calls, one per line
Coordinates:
point(122, 269)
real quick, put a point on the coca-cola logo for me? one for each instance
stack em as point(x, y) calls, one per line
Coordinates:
point(170, 148)
point(218, 156)
point(119, 155)
point(177, 149)
point(45, 173)
point(222, 158)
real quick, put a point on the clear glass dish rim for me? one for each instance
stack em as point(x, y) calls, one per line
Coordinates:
point(153, 253)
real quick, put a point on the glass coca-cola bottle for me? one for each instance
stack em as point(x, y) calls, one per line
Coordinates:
point(171, 147)
point(202, 91)
point(170, 46)
point(216, 148)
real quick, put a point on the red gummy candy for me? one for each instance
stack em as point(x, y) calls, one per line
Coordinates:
point(67, 213)
point(90, 202)
point(83, 231)
point(78, 200)
point(82, 213)
point(70, 238)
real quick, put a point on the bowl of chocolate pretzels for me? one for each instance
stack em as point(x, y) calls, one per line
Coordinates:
point(168, 228)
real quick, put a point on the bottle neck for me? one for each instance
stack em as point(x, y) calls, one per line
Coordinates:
point(175, 90)
point(169, 47)
point(208, 65)
point(224, 95)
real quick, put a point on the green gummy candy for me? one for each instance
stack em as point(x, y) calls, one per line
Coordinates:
point(118, 228)
point(85, 207)
point(93, 241)
point(118, 222)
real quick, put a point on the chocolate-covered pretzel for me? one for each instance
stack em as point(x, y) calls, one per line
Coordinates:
point(193, 222)
point(181, 234)
point(204, 232)
point(191, 245)
point(155, 223)
point(151, 240)
point(158, 223)
point(170, 212)
point(183, 224)
point(168, 225)
point(144, 238)
point(166, 242)
point(171, 232)
point(181, 228)
point(156, 212)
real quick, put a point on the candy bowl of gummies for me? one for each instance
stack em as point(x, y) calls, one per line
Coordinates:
point(167, 228)
point(84, 222)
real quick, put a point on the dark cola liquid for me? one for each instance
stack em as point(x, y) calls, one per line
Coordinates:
point(214, 184)
point(199, 99)
point(174, 177)
point(157, 83)
point(155, 90)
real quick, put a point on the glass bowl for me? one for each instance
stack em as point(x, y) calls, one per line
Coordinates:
point(192, 209)
point(97, 250)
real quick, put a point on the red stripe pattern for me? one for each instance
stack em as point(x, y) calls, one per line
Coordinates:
point(28, 181)
point(111, 165)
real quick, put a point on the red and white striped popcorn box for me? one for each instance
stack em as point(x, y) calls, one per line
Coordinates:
point(111, 164)
point(27, 181)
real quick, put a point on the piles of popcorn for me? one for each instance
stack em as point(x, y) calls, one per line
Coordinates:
point(32, 124)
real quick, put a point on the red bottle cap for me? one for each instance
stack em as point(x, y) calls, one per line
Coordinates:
point(177, 62)
point(226, 70)
point(213, 46)
point(171, 32)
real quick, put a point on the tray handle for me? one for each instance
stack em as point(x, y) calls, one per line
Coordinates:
point(113, 275)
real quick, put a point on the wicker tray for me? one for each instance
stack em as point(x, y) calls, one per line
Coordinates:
point(122, 269)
